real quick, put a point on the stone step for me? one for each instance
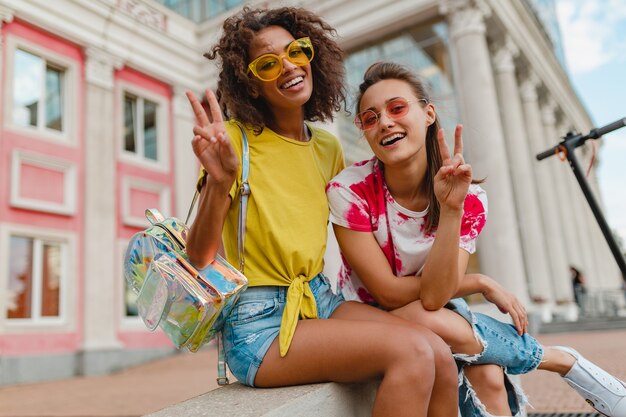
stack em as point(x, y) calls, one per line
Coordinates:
point(583, 324)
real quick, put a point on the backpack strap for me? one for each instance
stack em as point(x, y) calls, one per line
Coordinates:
point(243, 201)
point(222, 378)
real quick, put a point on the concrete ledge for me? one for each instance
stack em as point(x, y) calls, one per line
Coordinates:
point(328, 400)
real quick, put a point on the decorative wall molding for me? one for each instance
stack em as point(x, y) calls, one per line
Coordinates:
point(504, 53)
point(450, 6)
point(67, 206)
point(548, 111)
point(529, 86)
point(465, 22)
point(100, 66)
point(143, 13)
point(132, 183)
point(465, 17)
point(6, 14)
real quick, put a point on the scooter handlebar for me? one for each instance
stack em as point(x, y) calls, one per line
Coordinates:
point(593, 134)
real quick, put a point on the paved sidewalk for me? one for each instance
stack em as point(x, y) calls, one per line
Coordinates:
point(133, 392)
point(148, 388)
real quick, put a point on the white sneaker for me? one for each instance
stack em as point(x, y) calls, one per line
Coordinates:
point(600, 389)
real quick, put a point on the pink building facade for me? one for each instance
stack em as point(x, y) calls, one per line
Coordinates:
point(86, 145)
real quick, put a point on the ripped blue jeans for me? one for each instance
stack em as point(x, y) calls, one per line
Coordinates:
point(501, 346)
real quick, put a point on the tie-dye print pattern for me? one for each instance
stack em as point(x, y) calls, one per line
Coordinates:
point(359, 200)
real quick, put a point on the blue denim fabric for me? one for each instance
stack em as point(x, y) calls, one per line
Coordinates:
point(470, 405)
point(255, 321)
point(502, 346)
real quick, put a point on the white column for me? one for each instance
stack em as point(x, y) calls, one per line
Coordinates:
point(560, 174)
point(500, 250)
point(186, 166)
point(528, 213)
point(561, 210)
point(543, 179)
point(102, 263)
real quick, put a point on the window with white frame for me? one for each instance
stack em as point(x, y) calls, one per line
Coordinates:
point(36, 268)
point(38, 92)
point(140, 127)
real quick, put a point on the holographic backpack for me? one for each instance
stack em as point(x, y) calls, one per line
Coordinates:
point(189, 305)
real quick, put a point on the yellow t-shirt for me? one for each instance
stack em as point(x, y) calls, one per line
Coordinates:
point(287, 215)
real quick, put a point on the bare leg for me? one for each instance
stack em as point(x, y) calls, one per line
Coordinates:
point(555, 360)
point(447, 324)
point(488, 383)
point(345, 350)
point(487, 380)
point(445, 385)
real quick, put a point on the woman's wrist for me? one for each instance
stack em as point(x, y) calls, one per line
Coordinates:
point(451, 212)
point(485, 284)
point(221, 187)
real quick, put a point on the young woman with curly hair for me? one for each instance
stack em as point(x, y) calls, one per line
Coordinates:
point(280, 69)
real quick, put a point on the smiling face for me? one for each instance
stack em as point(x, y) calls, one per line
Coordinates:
point(293, 88)
point(396, 138)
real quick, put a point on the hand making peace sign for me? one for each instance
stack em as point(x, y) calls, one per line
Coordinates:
point(454, 177)
point(211, 143)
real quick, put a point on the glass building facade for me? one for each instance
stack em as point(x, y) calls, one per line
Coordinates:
point(545, 10)
point(424, 49)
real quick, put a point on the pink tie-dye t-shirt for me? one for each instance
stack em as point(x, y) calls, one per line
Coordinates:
point(359, 200)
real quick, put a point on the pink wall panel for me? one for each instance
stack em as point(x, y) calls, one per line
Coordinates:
point(140, 200)
point(43, 184)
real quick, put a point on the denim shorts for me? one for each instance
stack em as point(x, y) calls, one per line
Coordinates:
point(501, 346)
point(255, 321)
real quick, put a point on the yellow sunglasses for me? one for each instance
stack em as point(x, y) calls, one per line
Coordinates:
point(268, 67)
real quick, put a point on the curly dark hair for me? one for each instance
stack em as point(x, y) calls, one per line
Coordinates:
point(380, 71)
point(236, 89)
